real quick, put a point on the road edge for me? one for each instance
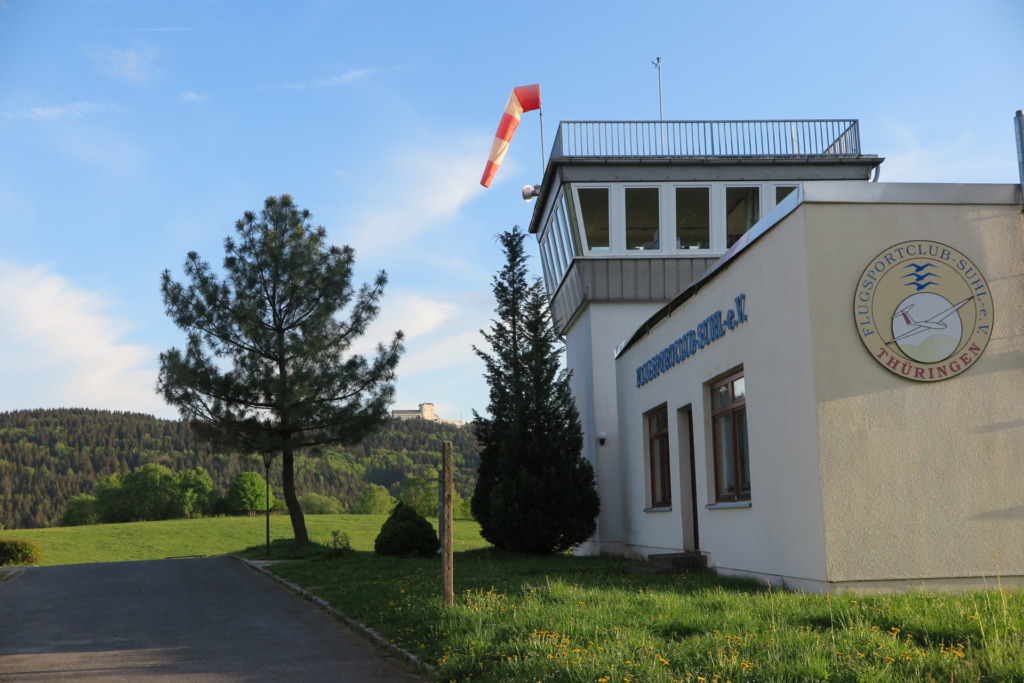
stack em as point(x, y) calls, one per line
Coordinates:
point(373, 636)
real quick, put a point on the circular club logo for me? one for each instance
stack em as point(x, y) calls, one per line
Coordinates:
point(923, 310)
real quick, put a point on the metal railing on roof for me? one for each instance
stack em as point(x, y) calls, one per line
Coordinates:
point(815, 138)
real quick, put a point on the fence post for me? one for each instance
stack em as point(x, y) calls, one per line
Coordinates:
point(447, 544)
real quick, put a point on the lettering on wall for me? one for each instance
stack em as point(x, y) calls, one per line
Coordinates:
point(923, 311)
point(709, 330)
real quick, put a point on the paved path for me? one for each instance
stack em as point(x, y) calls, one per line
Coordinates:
point(206, 619)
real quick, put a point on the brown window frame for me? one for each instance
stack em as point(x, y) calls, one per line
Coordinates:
point(658, 458)
point(735, 410)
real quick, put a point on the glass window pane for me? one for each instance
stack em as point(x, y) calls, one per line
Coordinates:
point(724, 450)
point(783, 192)
point(563, 217)
point(549, 276)
point(556, 247)
point(643, 218)
point(657, 472)
point(720, 396)
point(568, 206)
point(594, 213)
point(739, 389)
point(741, 447)
point(563, 232)
point(742, 210)
point(693, 218)
point(658, 422)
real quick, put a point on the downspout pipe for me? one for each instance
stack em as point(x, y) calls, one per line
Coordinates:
point(1018, 125)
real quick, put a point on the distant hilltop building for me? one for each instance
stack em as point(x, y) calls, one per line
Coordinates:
point(424, 412)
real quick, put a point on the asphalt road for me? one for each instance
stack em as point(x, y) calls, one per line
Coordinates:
point(204, 619)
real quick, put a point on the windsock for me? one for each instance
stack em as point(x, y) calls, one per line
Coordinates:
point(523, 98)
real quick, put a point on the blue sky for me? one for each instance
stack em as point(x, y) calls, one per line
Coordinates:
point(133, 132)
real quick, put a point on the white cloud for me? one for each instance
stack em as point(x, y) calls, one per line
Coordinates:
point(415, 314)
point(445, 353)
point(416, 191)
point(439, 364)
point(192, 97)
point(135, 65)
point(347, 78)
point(63, 347)
point(75, 110)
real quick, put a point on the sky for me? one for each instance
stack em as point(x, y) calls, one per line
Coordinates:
point(134, 132)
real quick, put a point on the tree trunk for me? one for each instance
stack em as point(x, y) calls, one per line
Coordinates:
point(291, 500)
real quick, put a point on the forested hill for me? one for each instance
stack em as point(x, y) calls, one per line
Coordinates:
point(48, 456)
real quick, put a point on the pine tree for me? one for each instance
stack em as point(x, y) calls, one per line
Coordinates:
point(535, 492)
point(265, 367)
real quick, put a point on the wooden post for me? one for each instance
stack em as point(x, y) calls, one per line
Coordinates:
point(447, 544)
point(266, 470)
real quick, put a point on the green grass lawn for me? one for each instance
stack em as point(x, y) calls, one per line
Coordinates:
point(209, 536)
point(587, 619)
point(568, 618)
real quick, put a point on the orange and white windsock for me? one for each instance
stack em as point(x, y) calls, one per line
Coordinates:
point(523, 98)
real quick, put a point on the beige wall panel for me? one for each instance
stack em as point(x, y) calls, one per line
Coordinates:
point(919, 480)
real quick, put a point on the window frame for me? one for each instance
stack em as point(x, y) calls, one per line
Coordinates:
point(658, 456)
point(623, 214)
point(739, 458)
point(674, 217)
point(581, 223)
point(775, 187)
point(724, 209)
point(616, 192)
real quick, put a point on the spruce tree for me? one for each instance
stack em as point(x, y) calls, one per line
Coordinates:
point(535, 492)
point(266, 367)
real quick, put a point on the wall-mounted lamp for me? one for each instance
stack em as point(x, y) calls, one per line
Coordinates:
point(531, 191)
point(601, 437)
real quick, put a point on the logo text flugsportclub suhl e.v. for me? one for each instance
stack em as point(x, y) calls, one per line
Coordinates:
point(923, 310)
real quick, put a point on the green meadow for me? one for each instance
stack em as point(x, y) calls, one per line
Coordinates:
point(208, 536)
point(521, 618)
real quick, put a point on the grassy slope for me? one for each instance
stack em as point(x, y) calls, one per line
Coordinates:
point(210, 536)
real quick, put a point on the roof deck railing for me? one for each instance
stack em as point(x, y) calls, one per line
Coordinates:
point(814, 138)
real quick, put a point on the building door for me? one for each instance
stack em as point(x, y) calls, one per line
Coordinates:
point(688, 480)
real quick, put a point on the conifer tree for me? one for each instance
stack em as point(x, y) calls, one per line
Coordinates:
point(265, 368)
point(535, 492)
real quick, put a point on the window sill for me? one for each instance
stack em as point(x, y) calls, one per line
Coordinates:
point(728, 506)
point(659, 509)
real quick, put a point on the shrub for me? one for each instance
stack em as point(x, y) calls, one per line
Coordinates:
point(420, 495)
point(340, 543)
point(248, 493)
point(406, 533)
point(317, 504)
point(14, 551)
point(373, 500)
point(81, 510)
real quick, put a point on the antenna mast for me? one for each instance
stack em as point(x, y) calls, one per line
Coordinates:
point(661, 108)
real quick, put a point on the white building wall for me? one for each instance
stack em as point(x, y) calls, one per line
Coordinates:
point(590, 355)
point(860, 478)
point(781, 533)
